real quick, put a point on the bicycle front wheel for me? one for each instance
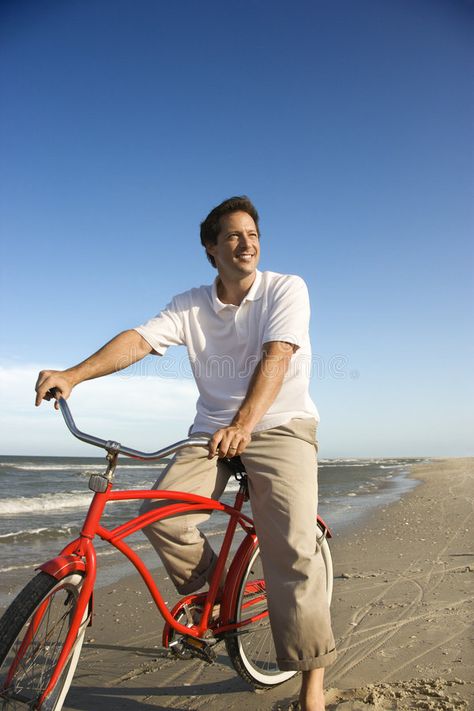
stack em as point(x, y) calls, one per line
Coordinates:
point(32, 635)
point(252, 650)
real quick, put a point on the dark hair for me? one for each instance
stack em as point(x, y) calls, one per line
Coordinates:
point(211, 227)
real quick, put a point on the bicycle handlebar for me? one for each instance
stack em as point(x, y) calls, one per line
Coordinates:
point(117, 448)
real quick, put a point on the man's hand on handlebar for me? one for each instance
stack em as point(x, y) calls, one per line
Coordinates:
point(228, 442)
point(49, 380)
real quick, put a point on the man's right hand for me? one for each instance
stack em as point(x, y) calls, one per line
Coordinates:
point(49, 379)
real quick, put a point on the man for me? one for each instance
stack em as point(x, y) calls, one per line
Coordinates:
point(258, 408)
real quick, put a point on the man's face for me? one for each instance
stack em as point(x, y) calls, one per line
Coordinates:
point(238, 247)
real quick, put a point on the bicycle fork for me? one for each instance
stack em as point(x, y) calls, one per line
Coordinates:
point(79, 556)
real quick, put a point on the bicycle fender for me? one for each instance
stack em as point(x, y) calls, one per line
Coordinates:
point(236, 570)
point(63, 565)
point(324, 527)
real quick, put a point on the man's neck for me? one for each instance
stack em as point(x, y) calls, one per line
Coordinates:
point(234, 292)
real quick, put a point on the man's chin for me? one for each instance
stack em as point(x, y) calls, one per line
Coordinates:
point(247, 267)
point(247, 270)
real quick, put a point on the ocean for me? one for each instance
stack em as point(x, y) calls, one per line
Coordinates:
point(44, 500)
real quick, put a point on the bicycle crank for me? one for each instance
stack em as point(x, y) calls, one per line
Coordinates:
point(187, 647)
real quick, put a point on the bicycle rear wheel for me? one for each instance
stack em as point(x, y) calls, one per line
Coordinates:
point(252, 650)
point(32, 634)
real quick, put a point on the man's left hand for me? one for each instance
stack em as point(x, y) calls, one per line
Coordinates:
point(228, 442)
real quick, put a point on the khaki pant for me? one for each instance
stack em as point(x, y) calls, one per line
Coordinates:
point(282, 471)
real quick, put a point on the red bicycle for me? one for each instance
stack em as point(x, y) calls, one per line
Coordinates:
point(42, 632)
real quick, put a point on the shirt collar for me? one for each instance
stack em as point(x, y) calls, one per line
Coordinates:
point(255, 292)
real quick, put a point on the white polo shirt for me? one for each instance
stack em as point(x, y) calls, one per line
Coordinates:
point(224, 344)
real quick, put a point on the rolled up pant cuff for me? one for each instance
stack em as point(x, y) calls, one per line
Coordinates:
point(307, 664)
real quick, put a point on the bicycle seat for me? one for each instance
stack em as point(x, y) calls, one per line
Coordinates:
point(235, 464)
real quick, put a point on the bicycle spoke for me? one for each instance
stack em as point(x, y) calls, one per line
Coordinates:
point(33, 654)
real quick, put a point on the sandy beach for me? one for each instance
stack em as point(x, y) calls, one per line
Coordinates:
point(402, 614)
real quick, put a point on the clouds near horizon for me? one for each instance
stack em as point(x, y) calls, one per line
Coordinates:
point(143, 412)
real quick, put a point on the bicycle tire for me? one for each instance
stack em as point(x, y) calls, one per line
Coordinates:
point(26, 665)
point(252, 650)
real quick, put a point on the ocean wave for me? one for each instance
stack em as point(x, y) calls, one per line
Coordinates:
point(364, 462)
point(79, 468)
point(24, 535)
point(18, 567)
point(323, 465)
point(46, 502)
point(110, 550)
point(75, 499)
point(52, 467)
point(20, 534)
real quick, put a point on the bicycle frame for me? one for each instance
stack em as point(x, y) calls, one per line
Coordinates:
point(80, 556)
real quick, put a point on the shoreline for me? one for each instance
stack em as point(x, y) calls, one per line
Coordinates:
point(402, 609)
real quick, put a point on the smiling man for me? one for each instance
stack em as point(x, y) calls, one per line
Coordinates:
point(257, 407)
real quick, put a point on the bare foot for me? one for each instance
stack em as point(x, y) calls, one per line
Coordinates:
point(312, 693)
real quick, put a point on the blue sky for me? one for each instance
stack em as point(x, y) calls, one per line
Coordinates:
point(349, 124)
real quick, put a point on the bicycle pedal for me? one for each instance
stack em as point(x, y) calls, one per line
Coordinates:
point(199, 648)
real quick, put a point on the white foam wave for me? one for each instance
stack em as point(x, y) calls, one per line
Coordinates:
point(33, 532)
point(79, 468)
point(17, 567)
point(341, 464)
point(110, 550)
point(361, 462)
point(32, 467)
point(52, 502)
point(18, 534)
point(46, 502)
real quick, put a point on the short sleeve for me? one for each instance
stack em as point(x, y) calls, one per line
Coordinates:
point(165, 329)
point(289, 312)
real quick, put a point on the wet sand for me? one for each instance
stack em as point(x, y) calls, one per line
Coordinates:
point(402, 614)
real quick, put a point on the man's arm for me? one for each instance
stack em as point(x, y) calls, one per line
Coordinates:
point(264, 386)
point(123, 350)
